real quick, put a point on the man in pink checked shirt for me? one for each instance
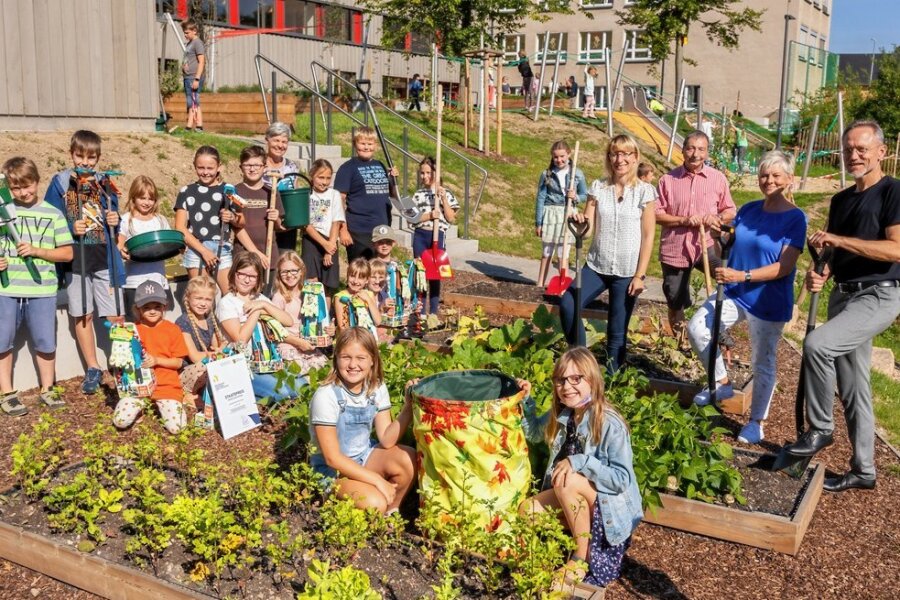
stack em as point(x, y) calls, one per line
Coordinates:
point(689, 195)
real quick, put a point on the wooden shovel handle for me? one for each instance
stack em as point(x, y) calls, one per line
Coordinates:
point(705, 254)
point(270, 228)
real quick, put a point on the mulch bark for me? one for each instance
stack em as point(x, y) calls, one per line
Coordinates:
point(851, 550)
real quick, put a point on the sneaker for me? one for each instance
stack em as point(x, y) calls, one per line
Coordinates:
point(51, 399)
point(198, 129)
point(752, 433)
point(11, 405)
point(724, 391)
point(91, 380)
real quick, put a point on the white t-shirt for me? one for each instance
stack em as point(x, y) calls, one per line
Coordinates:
point(325, 209)
point(232, 307)
point(139, 272)
point(324, 408)
point(617, 238)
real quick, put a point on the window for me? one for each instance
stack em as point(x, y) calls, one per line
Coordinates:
point(512, 44)
point(591, 45)
point(596, 3)
point(212, 11)
point(802, 39)
point(691, 97)
point(552, 47)
point(249, 17)
point(813, 43)
point(817, 3)
point(300, 17)
point(636, 51)
point(825, 8)
point(823, 43)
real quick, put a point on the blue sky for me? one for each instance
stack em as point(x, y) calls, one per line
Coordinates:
point(855, 22)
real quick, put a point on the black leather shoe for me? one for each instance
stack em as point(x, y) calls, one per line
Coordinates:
point(810, 442)
point(848, 481)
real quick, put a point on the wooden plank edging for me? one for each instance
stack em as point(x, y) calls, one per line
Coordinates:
point(84, 571)
point(758, 529)
point(738, 404)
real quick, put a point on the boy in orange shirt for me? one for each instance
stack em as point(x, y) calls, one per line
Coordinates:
point(164, 351)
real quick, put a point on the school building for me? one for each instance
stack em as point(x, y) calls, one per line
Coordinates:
point(747, 79)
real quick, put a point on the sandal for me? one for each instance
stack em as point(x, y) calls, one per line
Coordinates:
point(51, 399)
point(12, 406)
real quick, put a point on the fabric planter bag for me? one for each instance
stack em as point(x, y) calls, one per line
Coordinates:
point(468, 429)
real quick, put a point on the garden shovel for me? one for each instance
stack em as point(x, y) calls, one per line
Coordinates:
point(727, 241)
point(579, 230)
point(435, 259)
point(559, 283)
point(795, 466)
point(270, 229)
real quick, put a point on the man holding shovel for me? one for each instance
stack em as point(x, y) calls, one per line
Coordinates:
point(691, 195)
point(864, 231)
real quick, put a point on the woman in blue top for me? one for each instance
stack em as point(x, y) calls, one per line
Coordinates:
point(769, 236)
point(590, 477)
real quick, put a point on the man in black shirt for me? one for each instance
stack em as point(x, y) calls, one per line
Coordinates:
point(527, 76)
point(864, 230)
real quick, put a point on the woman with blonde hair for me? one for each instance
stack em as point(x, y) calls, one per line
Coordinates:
point(620, 213)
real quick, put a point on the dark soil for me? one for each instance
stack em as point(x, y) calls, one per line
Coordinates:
point(767, 491)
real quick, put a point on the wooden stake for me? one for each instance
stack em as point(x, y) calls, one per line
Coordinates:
point(499, 92)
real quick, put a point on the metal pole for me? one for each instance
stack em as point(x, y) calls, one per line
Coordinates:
point(405, 159)
point(700, 107)
point(675, 122)
point(466, 176)
point(537, 101)
point(162, 70)
point(275, 98)
point(607, 55)
point(784, 83)
point(559, 50)
point(809, 151)
point(312, 132)
point(328, 109)
point(258, 26)
point(841, 134)
point(499, 91)
point(482, 103)
point(466, 99)
point(619, 74)
point(872, 62)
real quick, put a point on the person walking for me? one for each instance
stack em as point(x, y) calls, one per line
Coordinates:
point(527, 76)
point(864, 230)
point(415, 88)
point(689, 195)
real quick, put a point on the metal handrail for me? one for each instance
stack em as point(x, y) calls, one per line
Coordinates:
point(465, 159)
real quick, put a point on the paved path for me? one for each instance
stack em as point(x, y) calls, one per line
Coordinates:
point(525, 270)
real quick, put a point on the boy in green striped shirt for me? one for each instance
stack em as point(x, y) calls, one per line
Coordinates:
point(44, 236)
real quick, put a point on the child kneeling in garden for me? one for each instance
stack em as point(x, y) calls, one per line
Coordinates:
point(590, 476)
point(351, 400)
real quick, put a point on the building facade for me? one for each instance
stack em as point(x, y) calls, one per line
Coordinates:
point(746, 79)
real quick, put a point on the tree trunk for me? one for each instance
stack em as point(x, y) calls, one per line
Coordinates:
point(679, 64)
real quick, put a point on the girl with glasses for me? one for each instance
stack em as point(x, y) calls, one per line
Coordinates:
point(290, 276)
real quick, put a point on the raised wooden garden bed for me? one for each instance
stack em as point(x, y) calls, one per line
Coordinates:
point(738, 404)
point(227, 112)
point(753, 528)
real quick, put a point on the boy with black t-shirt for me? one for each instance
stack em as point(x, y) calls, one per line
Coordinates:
point(365, 188)
point(70, 190)
point(252, 238)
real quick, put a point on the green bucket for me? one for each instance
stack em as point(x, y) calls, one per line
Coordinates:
point(296, 207)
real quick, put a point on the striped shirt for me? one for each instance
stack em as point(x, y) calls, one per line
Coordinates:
point(42, 226)
point(683, 194)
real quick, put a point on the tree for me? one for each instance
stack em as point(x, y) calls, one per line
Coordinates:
point(883, 101)
point(665, 21)
point(460, 25)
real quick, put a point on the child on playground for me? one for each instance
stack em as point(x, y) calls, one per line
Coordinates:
point(423, 235)
point(90, 204)
point(194, 69)
point(366, 314)
point(257, 214)
point(589, 101)
point(364, 185)
point(288, 297)
point(164, 352)
point(550, 205)
point(590, 477)
point(45, 239)
point(142, 216)
point(322, 235)
point(201, 332)
point(202, 212)
point(240, 310)
point(342, 413)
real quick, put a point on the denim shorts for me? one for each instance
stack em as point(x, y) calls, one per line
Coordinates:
point(40, 315)
point(192, 260)
point(320, 467)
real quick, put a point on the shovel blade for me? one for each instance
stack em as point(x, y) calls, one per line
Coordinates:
point(558, 285)
point(793, 465)
point(437, 264)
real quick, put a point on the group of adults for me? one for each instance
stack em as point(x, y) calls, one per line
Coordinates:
point(693, 206)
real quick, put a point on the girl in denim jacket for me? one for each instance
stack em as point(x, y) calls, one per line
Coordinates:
point(590, 477)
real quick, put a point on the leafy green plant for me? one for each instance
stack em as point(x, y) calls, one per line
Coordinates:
point(37, 457)
point(151, 532)
point(345, 528)
point(326, 583)
point(541, 546)
point(80, 505)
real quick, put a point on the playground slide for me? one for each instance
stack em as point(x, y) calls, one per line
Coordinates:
point(646, 125)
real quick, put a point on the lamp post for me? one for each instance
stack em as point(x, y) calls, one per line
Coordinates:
point(783, 92)
point(872, 62)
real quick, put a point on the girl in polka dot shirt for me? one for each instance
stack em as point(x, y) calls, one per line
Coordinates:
point(203, 215)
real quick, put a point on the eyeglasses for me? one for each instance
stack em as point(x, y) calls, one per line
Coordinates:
point(615, 155)
point(572, 380)
point(252, 167)
point(247, 276)
point(291, 272)
point(862, 152)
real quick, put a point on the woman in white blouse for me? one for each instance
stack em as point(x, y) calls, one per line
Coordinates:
point(621, 213)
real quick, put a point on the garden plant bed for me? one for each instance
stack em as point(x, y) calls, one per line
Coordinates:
point(776, 516)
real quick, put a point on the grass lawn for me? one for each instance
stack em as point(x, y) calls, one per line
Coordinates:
point(886, 392)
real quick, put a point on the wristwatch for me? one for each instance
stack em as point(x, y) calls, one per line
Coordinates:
point(747, 277)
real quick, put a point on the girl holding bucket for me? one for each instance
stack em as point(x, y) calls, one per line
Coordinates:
point(352, 400)
point(590, 477)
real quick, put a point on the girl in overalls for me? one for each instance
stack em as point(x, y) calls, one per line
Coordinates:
point(590, 477)
point(550, 205)
point(351, 400)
